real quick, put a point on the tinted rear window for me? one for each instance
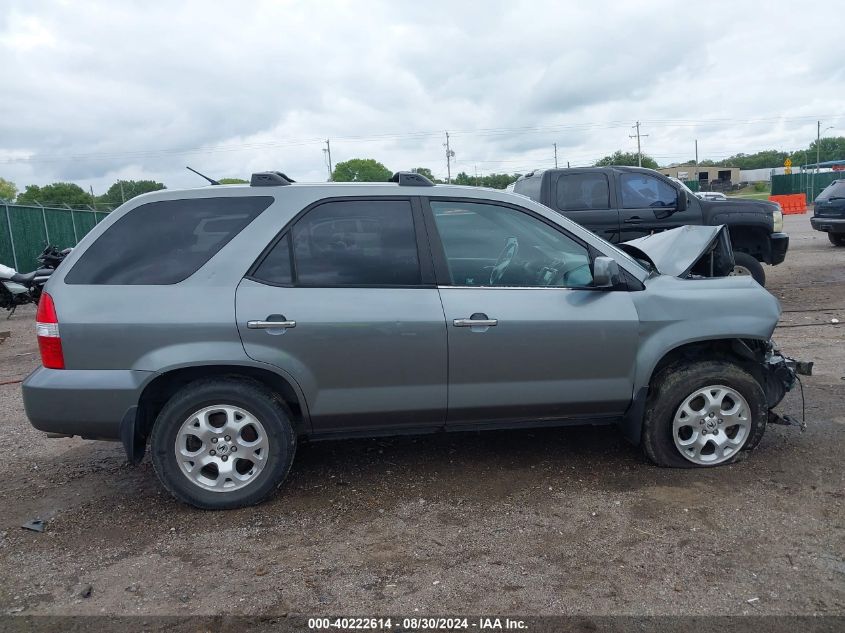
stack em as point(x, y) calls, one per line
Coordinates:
point(529, 187)
point(836, 189)
point(165, 242)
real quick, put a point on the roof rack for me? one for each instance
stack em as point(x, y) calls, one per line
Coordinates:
point(269, 179)
point(411, 179)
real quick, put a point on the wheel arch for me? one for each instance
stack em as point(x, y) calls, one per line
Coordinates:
point(135, 430)
point(745, 352)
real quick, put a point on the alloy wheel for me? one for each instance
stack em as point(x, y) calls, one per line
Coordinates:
point(711, 425)
point(222, 448)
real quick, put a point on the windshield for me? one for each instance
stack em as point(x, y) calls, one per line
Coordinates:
point(836, 189)
point(682, 184)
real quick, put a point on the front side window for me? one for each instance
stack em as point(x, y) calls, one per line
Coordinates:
point(490, 245)
point(161, 243)
point(576, 192)
point(641, 190)
point(357, 243)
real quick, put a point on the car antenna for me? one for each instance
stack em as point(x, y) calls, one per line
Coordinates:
point(211, 180)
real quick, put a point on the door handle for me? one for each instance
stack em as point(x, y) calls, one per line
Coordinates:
point(475, 322)
point(267, 325)
point(634, 220)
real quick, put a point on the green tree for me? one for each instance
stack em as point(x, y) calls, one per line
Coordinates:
point(626, 158)
point(832, 148)
point(233, 181)
point(124, 190)
point(8, 189)
point(425, 171)
point(57, 194)
point(361, 170)
point(493, 181)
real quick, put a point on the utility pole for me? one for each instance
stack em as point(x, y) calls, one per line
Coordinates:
point(93, 197)
point(449, 155)
point(327, 150)
point(555, 155)
point(122, 197)
point(639, 150)
point(477, 181)
point(696, 156)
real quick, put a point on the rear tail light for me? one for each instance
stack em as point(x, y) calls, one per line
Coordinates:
point(47, 330)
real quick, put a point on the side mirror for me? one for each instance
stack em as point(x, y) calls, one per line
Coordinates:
point(606, 272)
point(681, 204)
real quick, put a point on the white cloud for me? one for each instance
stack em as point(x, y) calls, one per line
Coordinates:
point(93, 91)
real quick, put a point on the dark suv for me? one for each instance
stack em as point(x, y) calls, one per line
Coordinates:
point(625, 203)
point(829, 212)
point(222, 325)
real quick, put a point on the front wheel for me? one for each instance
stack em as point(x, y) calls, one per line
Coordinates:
point(837, 239)
point(745, 264)
point(703, 414)
point(222, 443)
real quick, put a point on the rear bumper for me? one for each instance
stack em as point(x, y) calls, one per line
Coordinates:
point(828, 225)
point(779, 243)
point(90, 403)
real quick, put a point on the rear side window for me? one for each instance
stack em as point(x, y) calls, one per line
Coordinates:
point(165, 242)
point(836, 189)
point(275, 267)
point(576, 192)
point(357, 243)
point(529, 187)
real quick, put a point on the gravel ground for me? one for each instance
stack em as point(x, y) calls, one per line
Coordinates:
point(560, 521)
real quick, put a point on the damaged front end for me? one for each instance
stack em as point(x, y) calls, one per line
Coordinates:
point(777, 374)
point(686, 252)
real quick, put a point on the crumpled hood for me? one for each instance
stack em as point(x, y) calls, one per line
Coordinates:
point(676, 251)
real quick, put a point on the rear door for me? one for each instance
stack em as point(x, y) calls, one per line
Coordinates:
point(648, 204)
point(587, 197)
point(529, 337)
point(361, 326)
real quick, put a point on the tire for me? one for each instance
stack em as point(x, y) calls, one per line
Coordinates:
point(837, 239)
point(747, 265)
point(224, 414)
point(672, 389)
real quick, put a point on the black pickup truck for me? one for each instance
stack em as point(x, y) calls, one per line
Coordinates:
point(624, 203)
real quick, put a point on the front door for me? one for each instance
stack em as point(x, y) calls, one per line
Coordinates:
point(529, 337)
point(648, 204)
point(360, 323)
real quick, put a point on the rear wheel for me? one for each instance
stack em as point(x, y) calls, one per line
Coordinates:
point(745, 264)
point(703, 414)
point(837, 239)
point(222, 443)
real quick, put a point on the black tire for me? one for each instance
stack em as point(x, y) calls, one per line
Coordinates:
point(752, 266)
point(837, 239)
point(252, 396)
point(673, 385)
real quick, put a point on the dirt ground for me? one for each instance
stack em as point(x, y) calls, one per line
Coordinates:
point(560, 521)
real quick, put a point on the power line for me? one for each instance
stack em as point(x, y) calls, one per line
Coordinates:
point(481, 132)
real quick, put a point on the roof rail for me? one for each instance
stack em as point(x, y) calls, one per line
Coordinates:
point(269, 179)
point(411, 179)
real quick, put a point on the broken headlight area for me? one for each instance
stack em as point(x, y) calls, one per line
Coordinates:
point(778, 374)
point(781, 373)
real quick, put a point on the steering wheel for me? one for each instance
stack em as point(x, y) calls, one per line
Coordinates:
point(505, 259)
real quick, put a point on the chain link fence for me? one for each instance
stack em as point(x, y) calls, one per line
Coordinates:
point(26, 229)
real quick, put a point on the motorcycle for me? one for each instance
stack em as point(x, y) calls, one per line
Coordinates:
point(51, 256)
point(22, 288)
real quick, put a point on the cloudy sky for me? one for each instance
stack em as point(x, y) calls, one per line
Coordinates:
point(95, 91)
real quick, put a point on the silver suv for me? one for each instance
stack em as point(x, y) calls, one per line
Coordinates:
point(223, 325)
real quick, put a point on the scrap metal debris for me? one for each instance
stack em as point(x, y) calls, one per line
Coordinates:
point(36, 525)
